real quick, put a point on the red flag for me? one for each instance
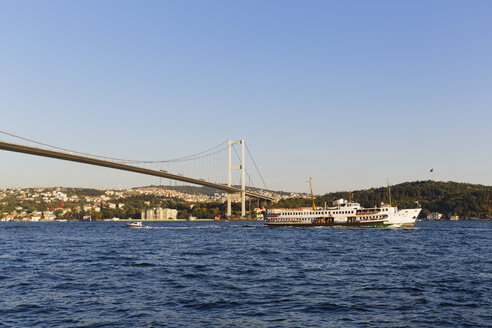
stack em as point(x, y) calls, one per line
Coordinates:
point(61, 205)
point(432, 170)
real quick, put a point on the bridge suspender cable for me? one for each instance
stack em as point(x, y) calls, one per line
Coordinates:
point(199, 155)
point(206, 153)
point(253, 160)
point(120, 166)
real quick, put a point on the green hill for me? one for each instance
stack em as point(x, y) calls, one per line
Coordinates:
point(463, 199)
point(211, 191)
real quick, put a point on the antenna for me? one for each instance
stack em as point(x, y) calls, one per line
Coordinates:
point(389, 193)
point(389, 190)
point(312, 196)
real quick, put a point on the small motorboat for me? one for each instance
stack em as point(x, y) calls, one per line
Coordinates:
point(136, 225)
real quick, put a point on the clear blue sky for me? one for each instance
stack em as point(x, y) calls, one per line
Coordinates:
point(351, 93)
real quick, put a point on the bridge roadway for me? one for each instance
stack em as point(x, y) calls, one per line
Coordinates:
point(98, 162)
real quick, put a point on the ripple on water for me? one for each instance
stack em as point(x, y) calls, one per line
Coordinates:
point(235, 275)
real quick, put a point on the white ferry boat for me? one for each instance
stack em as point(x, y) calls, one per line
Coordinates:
point(342, 213)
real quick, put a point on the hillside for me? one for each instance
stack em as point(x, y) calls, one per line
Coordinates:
point(211, 191)
point(463, 199)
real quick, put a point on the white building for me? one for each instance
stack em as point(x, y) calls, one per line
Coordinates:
point(49, 216)
point(159, 214)
point(434, 216)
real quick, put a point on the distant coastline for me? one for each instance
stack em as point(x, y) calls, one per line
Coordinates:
point(447, 200)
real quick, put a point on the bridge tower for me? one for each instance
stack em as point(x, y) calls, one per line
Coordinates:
point(243, 183)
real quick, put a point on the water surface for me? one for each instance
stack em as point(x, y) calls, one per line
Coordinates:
point(235, 274)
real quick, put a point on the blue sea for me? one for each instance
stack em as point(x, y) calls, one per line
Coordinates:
point(237, 274)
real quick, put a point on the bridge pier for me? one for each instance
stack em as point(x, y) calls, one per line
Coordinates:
point(229, 206)
point(243, 178)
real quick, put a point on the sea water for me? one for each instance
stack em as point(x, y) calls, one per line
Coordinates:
point(237, 274)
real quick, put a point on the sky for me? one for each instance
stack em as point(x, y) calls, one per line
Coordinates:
point(354, 94)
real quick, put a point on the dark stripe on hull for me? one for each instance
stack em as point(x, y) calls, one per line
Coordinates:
point(330, 224)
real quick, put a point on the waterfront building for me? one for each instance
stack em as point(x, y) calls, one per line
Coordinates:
point(49, 216)
point(160, 214)
point(434, 216)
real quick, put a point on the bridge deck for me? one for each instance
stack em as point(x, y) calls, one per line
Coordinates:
point(98, 162)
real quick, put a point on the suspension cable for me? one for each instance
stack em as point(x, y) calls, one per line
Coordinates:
point(247, 148)
point(180, 159)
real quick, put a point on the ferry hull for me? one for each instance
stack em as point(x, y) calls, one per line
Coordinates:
point(329, 224)
point(404, 218)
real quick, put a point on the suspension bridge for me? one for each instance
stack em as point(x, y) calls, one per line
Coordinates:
point(196, 173)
